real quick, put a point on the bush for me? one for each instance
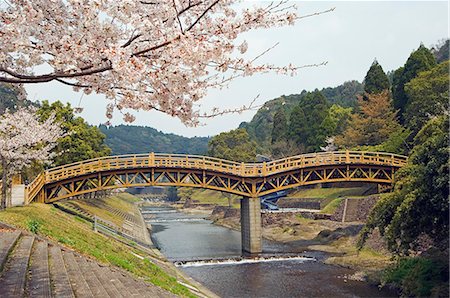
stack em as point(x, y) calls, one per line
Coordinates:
point(33, 225)
point(419, 276)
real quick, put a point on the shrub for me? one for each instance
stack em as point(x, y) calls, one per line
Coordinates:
point(419, 276)
point(33, 225)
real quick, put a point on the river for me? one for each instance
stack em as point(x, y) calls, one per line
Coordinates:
point(212, 255)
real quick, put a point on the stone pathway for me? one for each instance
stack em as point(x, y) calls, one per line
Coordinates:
point(31, 267)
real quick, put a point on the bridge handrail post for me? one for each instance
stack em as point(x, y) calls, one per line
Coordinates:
point(242, 168)
point(151, 159)
point(264, 169)
point(347, 156)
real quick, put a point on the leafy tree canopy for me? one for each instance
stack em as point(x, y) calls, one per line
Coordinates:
point(428, 95)
point(82, 140)
point(373, 125)
point(233, 145)
point(131, 139)
point(419, 204)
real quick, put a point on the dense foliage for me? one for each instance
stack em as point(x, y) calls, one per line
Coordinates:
point(374, 122)
point(261, 126)
point(376, 80)
point(126, 139)
point(82, 141)
point(233, 145)
point(419, 204)
point(9, 99)
point(420, 60)
point(428, 95)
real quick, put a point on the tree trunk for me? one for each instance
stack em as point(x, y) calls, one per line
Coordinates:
point(4, 185)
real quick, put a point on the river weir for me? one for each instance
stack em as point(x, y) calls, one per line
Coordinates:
point(212, 255)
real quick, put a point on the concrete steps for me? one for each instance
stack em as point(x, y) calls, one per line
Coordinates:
point(31, 267)
point(12, 281)
point(39, 285)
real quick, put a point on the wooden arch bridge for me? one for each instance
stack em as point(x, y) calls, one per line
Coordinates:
point(244, 179)
point(249, 180)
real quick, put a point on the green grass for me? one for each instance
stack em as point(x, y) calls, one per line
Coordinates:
point(331, 207)
point(78, 234)
point(207, 196)
point(123, 201)
point(328, 193)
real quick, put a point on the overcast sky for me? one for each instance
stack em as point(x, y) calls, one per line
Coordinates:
point(349, 39)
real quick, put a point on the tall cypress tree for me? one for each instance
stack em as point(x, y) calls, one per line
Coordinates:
point(420, 60)
point(279, 130)
point(297, 126)
point(376, 80)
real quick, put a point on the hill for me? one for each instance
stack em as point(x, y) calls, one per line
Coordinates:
point(126, 139)
point(260, 127)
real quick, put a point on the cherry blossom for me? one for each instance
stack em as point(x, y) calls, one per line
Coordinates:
point(142, 55)
point(24, 139)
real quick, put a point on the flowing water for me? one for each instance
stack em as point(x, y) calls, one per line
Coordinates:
point(212, 255)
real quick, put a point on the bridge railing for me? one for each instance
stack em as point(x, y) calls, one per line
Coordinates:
point(220, 165)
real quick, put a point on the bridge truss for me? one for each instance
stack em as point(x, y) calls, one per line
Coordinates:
point(247, 180)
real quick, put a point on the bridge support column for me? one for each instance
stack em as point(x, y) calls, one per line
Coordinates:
point(251, 237)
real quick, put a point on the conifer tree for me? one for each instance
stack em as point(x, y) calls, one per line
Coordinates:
point(376, 80)
point(420, 60)
point(279, 126)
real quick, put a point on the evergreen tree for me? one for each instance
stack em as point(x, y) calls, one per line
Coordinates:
point(305, 123)
point(376, 80)
point(315, 107)
point(420, 60)
point(297, 126)
point(279, 129)
point(374, 123)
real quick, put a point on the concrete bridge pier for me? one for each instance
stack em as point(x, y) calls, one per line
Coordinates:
point(251, 234)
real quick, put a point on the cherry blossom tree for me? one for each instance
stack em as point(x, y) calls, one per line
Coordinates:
point(142, 55)
point(24, 139)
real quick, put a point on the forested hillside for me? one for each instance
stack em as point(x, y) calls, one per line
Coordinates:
point(125, 139)
point(260, 127)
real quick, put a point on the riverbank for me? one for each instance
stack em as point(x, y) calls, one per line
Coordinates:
point(211, 255)
point(336, 240)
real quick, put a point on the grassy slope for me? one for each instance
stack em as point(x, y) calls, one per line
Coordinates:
point(330, 198)
point(207, 196)
point(78, 234)
point(121, 201)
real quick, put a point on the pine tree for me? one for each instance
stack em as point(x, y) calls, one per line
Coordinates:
point(376, 80)
point(279, 130)
point(297, 126)
point(420, 60)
